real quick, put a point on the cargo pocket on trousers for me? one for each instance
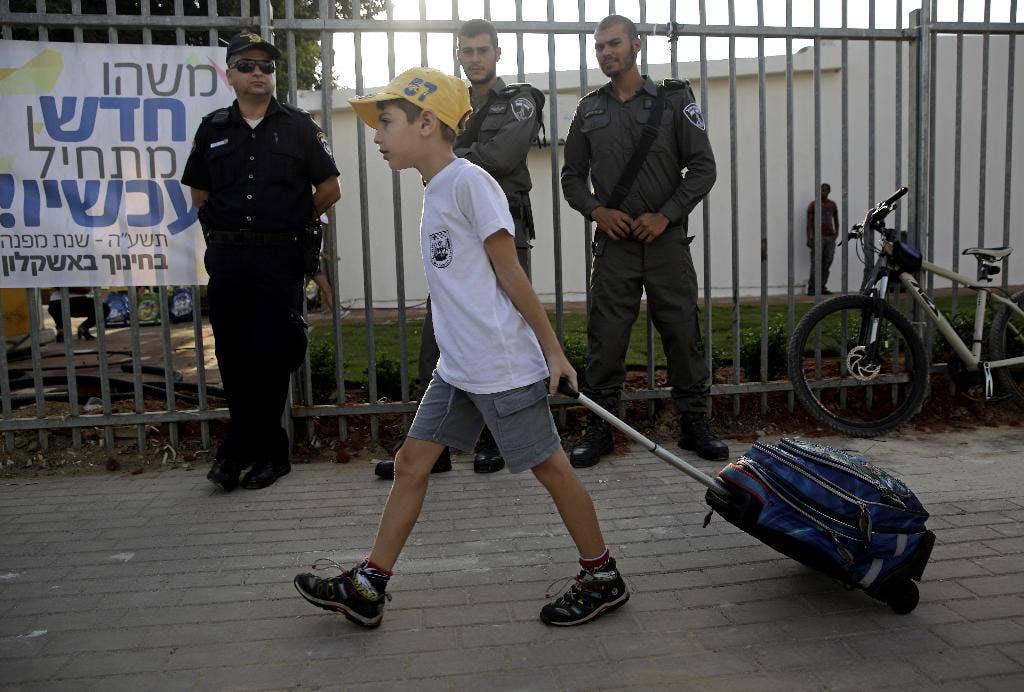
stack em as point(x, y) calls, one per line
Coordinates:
point(521, 424)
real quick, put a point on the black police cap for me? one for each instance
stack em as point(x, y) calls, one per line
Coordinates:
point(246, 40)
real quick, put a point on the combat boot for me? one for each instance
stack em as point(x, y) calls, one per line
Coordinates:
point(696, 436)
point(595, 443)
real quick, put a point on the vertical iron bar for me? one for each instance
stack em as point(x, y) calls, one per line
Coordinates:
point(35, 327)
point(791, 189)
point(364, 218)
point(734, 208)
point(705, 205)
point(200, 354)
point(5, 373)
point(101, 355)
point(165, 338)
point(136, 350)
point(396, 201)
point(957, 160)
point(983, 130)
point(69, 363)
point(762, 130)
point(556, 208)
point(1011, 58)
point(588, 228)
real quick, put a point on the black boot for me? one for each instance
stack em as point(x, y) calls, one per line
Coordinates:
point(262, 475)
point(696, 436)
point(596, 442)
point(223, 473)
point(488, 456)
point(386, 469)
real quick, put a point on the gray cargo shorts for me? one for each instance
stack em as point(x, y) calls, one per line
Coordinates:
point(519, 419)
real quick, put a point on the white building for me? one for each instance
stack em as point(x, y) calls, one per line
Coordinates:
point(781, 228)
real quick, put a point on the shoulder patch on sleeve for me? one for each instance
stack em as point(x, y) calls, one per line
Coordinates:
point(322, 139)
point(694, 115)
point(522, 108)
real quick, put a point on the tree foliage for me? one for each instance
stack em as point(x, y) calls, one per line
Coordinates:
point(307, 44)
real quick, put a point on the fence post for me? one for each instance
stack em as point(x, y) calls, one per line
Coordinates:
point(917, 118)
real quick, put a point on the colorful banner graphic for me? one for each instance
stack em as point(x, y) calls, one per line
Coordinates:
point(97, 138)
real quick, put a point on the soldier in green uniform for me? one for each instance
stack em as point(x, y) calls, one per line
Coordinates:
point(641, 242)
point(497, 137)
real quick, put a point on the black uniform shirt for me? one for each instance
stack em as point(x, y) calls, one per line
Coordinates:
point(260, 178)
point(601, 140)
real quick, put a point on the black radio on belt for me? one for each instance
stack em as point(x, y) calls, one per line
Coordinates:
point(310, 241)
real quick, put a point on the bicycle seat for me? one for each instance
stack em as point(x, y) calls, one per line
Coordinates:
point(989, 253)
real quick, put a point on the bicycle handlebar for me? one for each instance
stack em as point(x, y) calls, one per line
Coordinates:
point(891, 199)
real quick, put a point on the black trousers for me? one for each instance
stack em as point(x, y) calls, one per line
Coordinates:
point(255, 298)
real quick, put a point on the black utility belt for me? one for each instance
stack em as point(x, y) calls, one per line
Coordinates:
point(218, 236)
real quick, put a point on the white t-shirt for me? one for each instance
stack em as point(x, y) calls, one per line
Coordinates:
point(486, 345)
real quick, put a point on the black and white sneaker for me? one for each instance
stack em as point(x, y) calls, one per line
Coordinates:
point(346, 594)
point(589, 596)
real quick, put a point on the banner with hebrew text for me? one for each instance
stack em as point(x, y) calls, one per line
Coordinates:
point(95, 140)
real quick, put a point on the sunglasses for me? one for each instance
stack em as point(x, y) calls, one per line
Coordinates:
point(246, 65)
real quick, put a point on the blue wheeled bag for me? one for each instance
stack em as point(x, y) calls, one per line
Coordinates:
point(833, 511)
point(827, 508)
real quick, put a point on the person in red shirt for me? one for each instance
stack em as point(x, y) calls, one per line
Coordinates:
point(829, 231)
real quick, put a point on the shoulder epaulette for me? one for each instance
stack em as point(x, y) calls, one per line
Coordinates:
point(591, 94)
point(675, 84)
point(219, 117)
point(512, 90)
point(295, 109)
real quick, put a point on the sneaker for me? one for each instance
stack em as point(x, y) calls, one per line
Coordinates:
point(590, 595)
point(488, 456)
point(696, 436)
point(386, 469)
point(595, 443)
point(345, 594)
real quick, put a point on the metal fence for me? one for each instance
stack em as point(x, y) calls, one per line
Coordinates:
point(901, 146)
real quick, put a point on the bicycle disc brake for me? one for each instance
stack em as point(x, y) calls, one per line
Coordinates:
point(860, 366)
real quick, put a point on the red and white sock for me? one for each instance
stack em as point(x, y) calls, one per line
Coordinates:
point(595, 563)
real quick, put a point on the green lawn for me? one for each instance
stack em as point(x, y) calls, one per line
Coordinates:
point(388, 349)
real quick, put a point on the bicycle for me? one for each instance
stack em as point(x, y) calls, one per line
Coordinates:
point(859, 366)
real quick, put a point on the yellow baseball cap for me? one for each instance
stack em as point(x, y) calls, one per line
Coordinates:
point(425, 87)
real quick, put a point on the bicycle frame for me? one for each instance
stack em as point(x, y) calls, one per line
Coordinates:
point(878, 282)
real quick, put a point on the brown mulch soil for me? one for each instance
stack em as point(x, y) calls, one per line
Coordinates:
point(742, 418)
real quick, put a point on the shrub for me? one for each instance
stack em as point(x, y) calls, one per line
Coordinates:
point(750, 351)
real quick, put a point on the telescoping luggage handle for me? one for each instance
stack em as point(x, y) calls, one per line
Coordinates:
point(566, 389)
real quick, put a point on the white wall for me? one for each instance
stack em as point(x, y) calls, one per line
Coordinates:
point(781, 229)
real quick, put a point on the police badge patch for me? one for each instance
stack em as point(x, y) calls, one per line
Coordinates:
point(693, 114)
point(522, 108)
point(322, 138)
point(440, 249)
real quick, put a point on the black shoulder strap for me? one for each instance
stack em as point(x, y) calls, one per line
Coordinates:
point(470, 134)
point(650, 131)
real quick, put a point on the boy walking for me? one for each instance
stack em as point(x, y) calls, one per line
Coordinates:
point(478, 289)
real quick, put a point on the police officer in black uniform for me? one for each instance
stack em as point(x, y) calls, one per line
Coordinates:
point(641, 242)
point(261, 173)
point(497, 137)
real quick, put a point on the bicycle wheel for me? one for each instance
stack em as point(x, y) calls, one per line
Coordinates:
point(1006, 340)
point(833, 359)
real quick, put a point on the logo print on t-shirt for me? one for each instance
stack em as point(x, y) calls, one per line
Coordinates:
point(440, 249)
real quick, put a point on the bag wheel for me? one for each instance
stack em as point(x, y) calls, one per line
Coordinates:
point(902, 596)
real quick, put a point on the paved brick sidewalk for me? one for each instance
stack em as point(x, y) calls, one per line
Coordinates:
point(159, 582)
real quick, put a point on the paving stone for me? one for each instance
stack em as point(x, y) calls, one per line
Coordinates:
point(155, 582)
